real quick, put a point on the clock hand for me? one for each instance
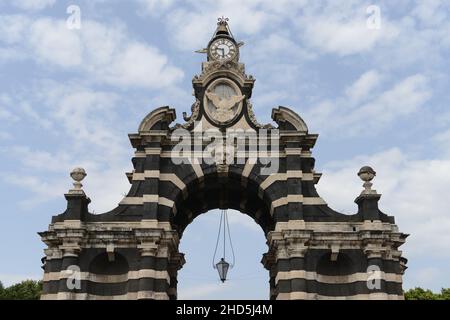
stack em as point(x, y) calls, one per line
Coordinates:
point(223, 52)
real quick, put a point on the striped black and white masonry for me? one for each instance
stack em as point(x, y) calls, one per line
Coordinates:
point(221, 157)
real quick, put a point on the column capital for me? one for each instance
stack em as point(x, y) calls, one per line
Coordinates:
point(288, 248)
point(70, 248)
point(71, 252)
point(375, 252)
point(53, 253)
point(148, 249)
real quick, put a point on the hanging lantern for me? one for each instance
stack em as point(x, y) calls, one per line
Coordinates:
point(222, 267)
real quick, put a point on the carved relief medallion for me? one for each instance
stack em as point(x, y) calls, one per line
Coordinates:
point(223, 101)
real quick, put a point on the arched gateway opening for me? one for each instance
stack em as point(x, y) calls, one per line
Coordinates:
point(248, 280)
point(221, 157)
point(215, 191)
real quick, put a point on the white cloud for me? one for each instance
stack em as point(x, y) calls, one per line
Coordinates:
point(86, 124)
point(40, 160)
point(318, 27)
point(106, 186)
point(442, 139)
point(332, 34)
point(269, 98)
point(412, 193)
point(403, 99)
point(11, 55)
point(426, 277)
point(343, 117)
point(275, 45)
point(366, 83)
point(155, 7)
point(422, 37)
point(53, 43)
point(431, 13)
point(242, 220)
point(105, 183)
point(141, 65)
point(34, 4)
point(86, 115)
point(37, 118)
point(6, 105)
point(13, 28)
point(408, 34)
point(42, 189)
point(106, 53)
point(46, 176)
point(6, 114)
point(323, 27)
point(191, 24)
point(235, 218)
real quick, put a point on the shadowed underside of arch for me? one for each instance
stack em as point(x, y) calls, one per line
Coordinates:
point(222, 192)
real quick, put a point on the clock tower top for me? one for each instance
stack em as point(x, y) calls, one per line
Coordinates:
point(222, 46)
point(223, 89)
point(222, 27)
point(222, 59)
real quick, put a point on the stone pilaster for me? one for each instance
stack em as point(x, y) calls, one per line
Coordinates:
point(157, 247)
point(148, 262)
point(288, 249)
point(151, 183)
point(294, 181)
point(70, 282)
point(368, 206)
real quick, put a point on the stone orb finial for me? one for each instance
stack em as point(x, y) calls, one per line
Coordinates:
point(78, 174)
point(367, 174)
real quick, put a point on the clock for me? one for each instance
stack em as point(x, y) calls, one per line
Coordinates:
point(222, 49)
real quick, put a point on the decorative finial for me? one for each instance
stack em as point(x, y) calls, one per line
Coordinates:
point(222, 20)
point(77, 174)
point(367, 174)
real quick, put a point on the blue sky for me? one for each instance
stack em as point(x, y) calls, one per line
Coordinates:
point(376, 96)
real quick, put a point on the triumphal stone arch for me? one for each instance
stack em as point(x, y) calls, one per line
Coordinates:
point(221, 157)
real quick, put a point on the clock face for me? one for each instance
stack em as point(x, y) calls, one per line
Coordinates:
point(222, 49)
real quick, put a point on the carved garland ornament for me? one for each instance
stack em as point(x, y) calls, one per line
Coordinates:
point(195, 109)
point(213, 66)
point(252, 117)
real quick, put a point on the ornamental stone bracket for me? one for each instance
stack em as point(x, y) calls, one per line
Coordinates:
point(290, 243)
point(157, 242)
point(89, 235)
